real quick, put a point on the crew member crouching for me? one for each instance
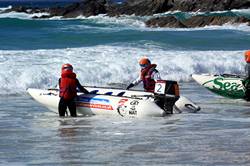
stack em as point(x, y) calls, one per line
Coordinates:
point(148, 75)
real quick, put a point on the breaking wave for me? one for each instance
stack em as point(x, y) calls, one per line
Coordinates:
point(102, 65)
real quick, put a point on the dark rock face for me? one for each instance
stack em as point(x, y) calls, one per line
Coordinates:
point(140, 7)
point(169, 21)
point(149, 7)
point(201, 21)
point(86, 8)
point(208, 5)
point(137, 7)
point(196, 21)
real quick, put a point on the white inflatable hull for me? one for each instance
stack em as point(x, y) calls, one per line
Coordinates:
point(107, 101)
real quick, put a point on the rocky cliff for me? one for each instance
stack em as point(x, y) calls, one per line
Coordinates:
point(148, 8)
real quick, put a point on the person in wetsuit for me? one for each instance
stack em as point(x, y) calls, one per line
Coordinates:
point(68, 84)
point(246, 81)
point(148, 75)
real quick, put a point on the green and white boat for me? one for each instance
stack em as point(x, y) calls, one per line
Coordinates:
point(226, 85)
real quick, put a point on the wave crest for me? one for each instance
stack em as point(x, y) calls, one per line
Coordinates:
point(103, 65)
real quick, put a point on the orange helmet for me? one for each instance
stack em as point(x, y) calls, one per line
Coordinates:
point(144, 62)
point(247, 56)
point(67, 67)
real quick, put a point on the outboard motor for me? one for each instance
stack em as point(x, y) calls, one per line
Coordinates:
point(166, 94)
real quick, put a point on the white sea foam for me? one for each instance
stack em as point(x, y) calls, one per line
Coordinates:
point(228, 26)
point(14, 15)
point(137, 23)
point(24, 16)
point(101, 65)
point(245, 12)
point(124, 20)
point(38, 15)
point(5, 8)
point(198, 12)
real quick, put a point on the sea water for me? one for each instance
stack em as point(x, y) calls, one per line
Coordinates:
point(105, 52)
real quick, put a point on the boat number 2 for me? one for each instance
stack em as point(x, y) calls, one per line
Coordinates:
point(160, 87)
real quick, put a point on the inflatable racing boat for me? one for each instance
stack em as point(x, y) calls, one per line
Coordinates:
point(226, 85)
point(126, 103)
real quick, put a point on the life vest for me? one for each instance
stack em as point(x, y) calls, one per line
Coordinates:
point(247, 56)
point(68, 85)
point(148, 82)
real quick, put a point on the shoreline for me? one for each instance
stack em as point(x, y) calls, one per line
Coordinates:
point(89, 8)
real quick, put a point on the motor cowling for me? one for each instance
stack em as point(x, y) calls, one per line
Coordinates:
point(166, 94)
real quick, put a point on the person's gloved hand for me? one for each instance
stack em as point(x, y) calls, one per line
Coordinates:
point(130, 86)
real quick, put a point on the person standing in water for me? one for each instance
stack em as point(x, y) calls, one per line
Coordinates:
point(68, 84)
point(148, 75)
point(246, 81)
